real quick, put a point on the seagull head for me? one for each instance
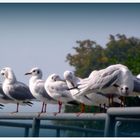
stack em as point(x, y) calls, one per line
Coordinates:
point(126, 82)
point(124, 90)
point(68, 75)
point(54, 77)
point(35, 72)
point(8, 73)
point(71, 80)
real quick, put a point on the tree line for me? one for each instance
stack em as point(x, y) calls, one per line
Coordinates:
point(90, 56)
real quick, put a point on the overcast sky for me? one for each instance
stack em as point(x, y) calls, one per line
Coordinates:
point(43, 34)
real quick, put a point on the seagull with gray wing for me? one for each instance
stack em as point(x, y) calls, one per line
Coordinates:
point(36, 86)
point(13, 89)
point(115, 80)
point(92, 98)
point(6, 100)
point(118, 77)
point(58, 90)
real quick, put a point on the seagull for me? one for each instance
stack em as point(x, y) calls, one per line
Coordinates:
point(6, 100)
point(36, 86)
point(116, 79)
point(92, 98)
point(72, 81)
point(138, 76)
point(58, 90)
point(136, 89)
point(15, 90)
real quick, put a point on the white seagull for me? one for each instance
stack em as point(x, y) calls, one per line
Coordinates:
point(58, 90)
point(6, 100)
point(138, 76)
point(15, 90)
point(116, 79)
point(36, 86)
point(92, 98)
point(137, 85)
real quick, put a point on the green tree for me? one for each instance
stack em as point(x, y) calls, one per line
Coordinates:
point(124, 50)
point(88, 56)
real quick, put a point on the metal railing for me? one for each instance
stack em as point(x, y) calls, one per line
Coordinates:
point(117, 115)
point(113, 120)
point(36, 122)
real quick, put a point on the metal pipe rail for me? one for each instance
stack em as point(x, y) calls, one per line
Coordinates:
point(111, 118)
point(50, 116)
point(117, 114)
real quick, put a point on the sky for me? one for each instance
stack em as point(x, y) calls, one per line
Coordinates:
point(43, 34)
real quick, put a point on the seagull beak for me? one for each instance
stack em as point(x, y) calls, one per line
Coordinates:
point(28, 73)
point(2, 73)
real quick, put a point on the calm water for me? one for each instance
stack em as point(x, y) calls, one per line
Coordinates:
point(130, 129)
point(19, 132)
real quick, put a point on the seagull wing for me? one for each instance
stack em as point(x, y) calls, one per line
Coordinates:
point(41, 90)
point(20, 91)
point(60, 89)
point(101, 79)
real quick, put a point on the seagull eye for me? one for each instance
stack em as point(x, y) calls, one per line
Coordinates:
point(2, 73)
point(33, 70)
point(54, 78)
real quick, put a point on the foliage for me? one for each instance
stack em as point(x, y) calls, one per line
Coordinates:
point(119, 49)
point(88, 56)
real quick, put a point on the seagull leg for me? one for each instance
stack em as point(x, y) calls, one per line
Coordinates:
point(109, 101)
point(45, 108)
point(89, 109)
point(123, 101)
point(104, 110)
point(41, 109)
point(60, 106)
point(122, 98)
point(82, 110)
point(100, 107)
point(59, 109)
point(16, 109)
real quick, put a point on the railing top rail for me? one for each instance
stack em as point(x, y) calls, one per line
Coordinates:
point(51, 116)
point(124, 111)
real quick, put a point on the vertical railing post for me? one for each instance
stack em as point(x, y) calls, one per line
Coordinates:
point(85, 134)
point(35, 127)
point(109, 126)
point(26, 132)
point(58, 132)
point(117, 125)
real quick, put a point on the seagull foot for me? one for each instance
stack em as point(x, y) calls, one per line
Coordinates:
point(14, 112)
point(78, 114)
point(55, 113)
point(39, 113)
